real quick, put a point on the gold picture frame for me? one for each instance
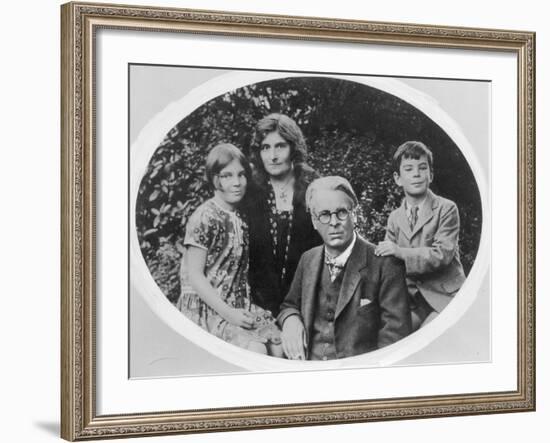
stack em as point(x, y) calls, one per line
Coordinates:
point(80, 22)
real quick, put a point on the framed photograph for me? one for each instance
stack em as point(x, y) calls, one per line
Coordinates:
point(281, 221)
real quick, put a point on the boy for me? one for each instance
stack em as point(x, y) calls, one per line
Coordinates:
point(423, 233)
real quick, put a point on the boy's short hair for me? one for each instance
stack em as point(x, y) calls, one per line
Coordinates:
point(331, 183)
point(219, 157)
point(412, 149)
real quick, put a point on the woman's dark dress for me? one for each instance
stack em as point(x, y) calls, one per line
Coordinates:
point(268, 284)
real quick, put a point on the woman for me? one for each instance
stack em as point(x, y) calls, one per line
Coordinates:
point(214, 269)
point(280, 227)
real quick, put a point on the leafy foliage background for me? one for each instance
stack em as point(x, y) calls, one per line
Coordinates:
point(351, 130)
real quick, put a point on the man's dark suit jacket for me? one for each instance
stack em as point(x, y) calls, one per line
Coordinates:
point(372, 309)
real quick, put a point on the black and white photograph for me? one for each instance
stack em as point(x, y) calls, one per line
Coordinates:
point(291, 221)
point(275, 221)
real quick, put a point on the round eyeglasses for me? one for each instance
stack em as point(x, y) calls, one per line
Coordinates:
point(326, 216)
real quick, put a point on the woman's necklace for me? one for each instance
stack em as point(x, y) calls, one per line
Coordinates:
point(274, 230)
point(281, 191)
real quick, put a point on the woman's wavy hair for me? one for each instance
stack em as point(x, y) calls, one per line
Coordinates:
point(287, 129)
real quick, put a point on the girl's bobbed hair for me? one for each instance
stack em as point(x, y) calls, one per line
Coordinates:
point(219, 157)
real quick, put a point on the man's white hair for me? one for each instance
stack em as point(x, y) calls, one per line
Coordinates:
point(331, 183)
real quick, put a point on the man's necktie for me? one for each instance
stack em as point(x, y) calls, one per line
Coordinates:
point(414, 217)
point(333, 268)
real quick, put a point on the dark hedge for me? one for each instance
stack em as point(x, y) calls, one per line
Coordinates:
point(351, 130)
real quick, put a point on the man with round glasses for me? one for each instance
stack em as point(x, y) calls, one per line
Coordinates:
point(344, 300)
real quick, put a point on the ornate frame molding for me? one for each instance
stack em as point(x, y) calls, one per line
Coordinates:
point(79, 23)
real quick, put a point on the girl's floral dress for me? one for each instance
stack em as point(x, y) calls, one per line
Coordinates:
point(224, 235)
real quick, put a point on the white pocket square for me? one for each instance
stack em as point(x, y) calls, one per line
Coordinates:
point(364, 302)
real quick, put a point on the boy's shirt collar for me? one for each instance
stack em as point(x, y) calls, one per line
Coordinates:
point(419, 206)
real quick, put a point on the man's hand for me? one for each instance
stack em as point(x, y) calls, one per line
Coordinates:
point(388, 248)
point(294, 338)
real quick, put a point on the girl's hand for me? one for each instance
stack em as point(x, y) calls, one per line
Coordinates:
point(239, 317)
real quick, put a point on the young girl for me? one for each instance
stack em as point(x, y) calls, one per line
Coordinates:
point(214, 270)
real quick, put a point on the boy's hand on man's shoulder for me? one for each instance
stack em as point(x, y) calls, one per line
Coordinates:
point(387, 247)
